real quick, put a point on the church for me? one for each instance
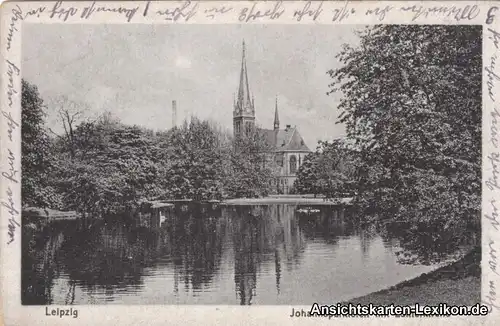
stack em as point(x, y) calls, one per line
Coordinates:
point(289, 148)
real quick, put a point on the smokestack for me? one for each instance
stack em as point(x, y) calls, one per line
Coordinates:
point(174, 113)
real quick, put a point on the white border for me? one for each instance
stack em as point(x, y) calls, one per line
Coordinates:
point(14, 14)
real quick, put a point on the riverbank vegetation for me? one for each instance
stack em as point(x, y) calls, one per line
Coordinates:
point(104, 167)
point(412, 109)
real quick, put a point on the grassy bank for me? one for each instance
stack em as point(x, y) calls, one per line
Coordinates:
point(456, 283)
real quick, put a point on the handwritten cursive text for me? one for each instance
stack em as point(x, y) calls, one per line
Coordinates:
point(255, 13)
point(339, 14)
point(12, 70)
point(214, 11)
point(308, 11)
point(17, 14)
point(128, 12)
point(458, 13)
point(379, 12)
point(491, 293)
point(185, 12)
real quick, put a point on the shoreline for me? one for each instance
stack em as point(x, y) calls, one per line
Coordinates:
point(286, 200)
point(56, 214)
point(457, 283)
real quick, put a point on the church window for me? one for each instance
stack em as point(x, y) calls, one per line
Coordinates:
point(238, 127)
point(248, 127)
point(279, 160)
point(293, 164)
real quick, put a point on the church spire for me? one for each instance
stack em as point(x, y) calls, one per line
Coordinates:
point(244, 102)
point(244, 108)
point(276, 117)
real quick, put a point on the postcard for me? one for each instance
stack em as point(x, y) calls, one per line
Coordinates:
point(250, 162)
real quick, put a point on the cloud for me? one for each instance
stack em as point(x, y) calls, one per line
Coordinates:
point(182, 62)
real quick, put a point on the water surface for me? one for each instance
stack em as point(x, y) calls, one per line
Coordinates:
point(238, 255)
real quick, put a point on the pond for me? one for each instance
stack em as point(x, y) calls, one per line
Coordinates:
point(236, 255)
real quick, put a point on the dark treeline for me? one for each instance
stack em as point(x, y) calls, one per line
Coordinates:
point(412, 156)
point(104, 167)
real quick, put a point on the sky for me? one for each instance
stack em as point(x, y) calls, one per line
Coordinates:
point(136, 70)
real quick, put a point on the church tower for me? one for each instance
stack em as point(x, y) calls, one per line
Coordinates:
point(244, 110)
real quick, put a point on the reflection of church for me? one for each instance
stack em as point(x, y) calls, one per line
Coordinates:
point(263, 237)
point(289, 146)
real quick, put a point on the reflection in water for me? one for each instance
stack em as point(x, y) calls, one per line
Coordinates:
point(262, 234)
point(234, 255)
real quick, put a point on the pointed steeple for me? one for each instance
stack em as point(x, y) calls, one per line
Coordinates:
point(276, 117)
point(244, 103)
point(244, 108)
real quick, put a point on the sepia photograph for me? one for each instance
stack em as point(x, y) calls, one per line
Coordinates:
point(259, 164)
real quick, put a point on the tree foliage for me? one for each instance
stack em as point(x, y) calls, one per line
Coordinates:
point(329, 171)
point(307, 176)
point(37, 159)
point(116, 168)
point(197, 154)
point(107, 168)
point(251, 167)
point(412, 106)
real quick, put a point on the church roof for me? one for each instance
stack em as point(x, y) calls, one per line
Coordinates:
point(285, 139)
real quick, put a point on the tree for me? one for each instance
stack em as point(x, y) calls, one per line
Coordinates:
point(69, 114)
point(121, 170)
point(307, 178)
point(251, 167)
point(333, 168)
point(330, 170)
point(196, 153)
point(105, 168)
point(36, 160)
point(412, 107)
